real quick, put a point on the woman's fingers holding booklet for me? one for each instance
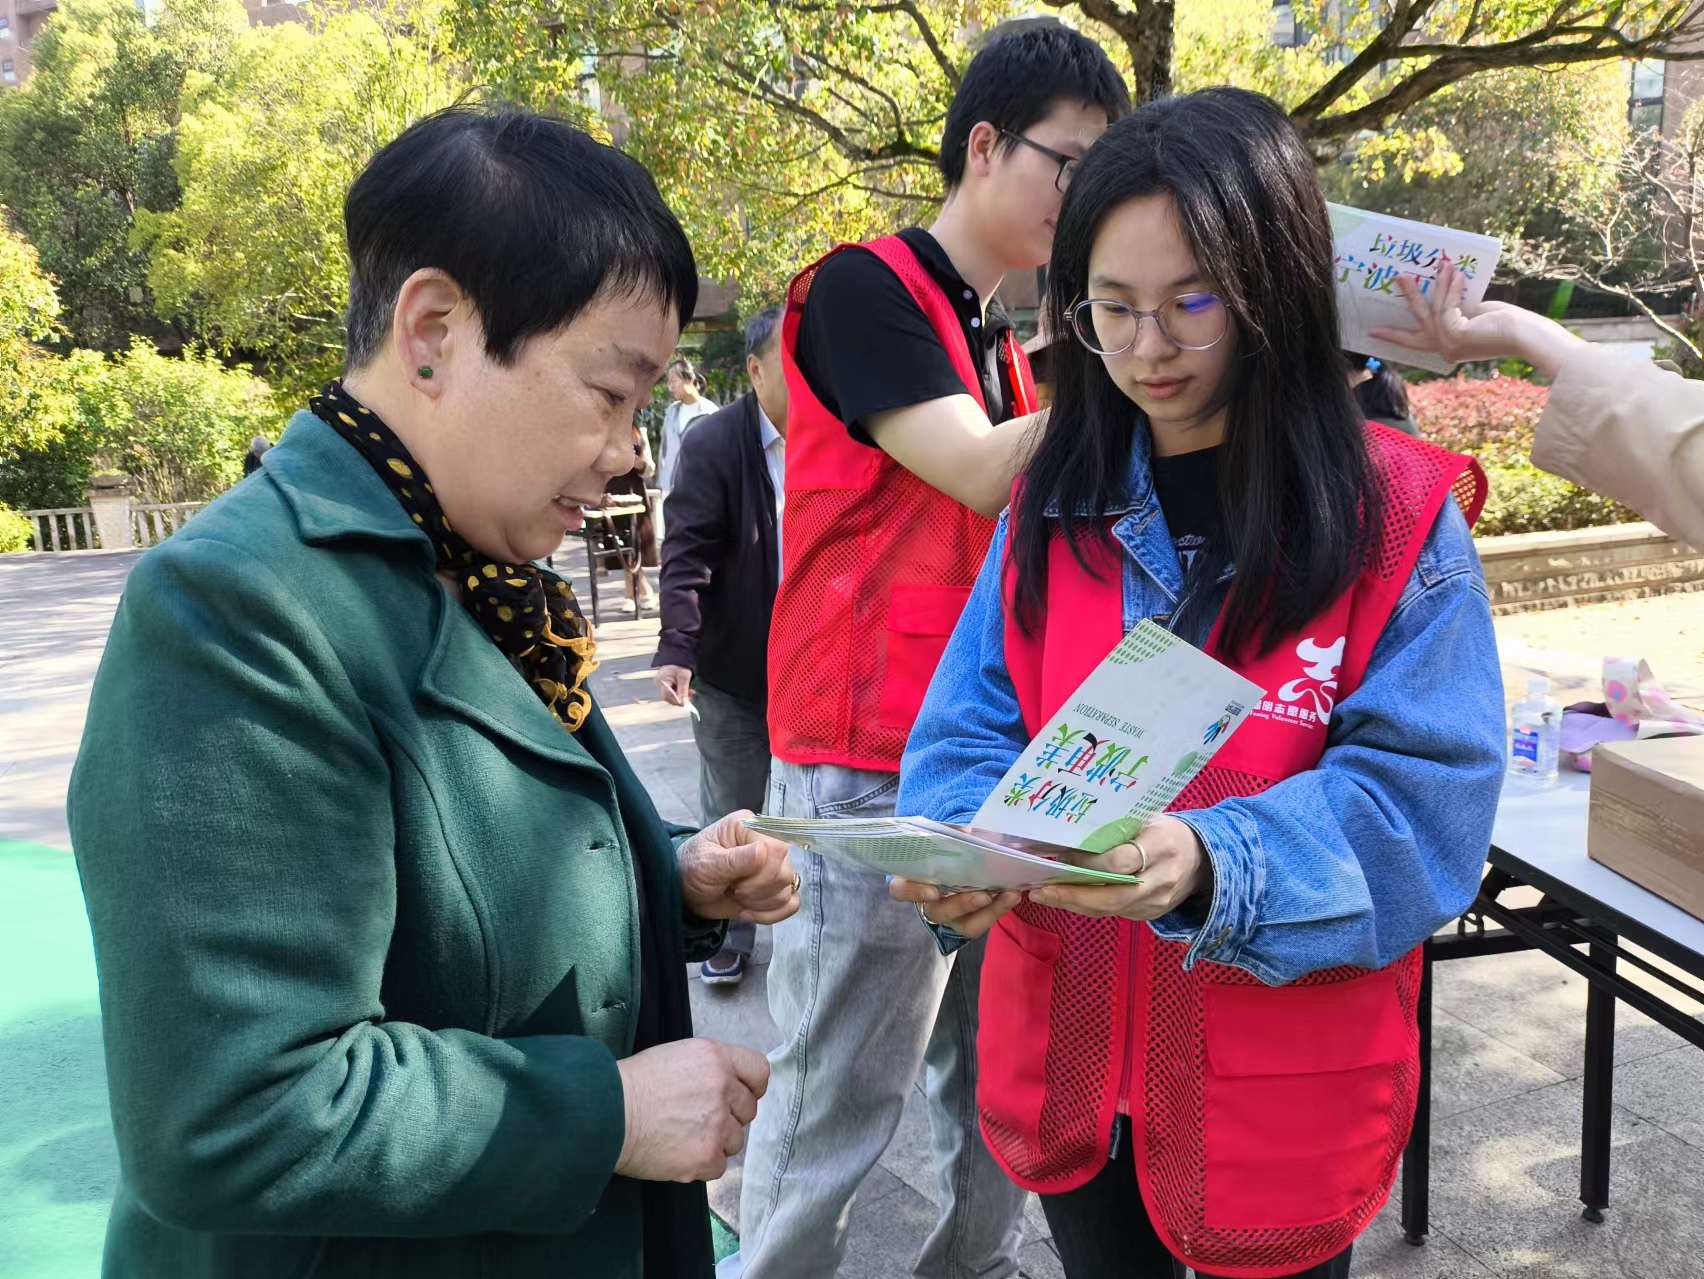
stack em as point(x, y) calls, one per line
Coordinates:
point(1167, 857)
point(968, 914)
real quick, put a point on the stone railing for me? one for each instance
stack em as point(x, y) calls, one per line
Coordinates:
point(155, 522)
point(64, 528)
point(1527, 571)
point(111, 522)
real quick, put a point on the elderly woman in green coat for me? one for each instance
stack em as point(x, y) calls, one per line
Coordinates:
point(391, 941)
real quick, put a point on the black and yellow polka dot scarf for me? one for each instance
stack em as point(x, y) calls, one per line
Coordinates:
point(530, 613)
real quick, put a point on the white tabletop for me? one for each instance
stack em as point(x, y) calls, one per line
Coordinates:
point(1545, 832)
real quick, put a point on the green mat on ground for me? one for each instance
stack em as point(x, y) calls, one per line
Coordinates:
point(58, 1165)
point(722, 1238)
point(57, 1161)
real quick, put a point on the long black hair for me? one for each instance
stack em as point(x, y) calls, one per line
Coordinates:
point(1297, 493)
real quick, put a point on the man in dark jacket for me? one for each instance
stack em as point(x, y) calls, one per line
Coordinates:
point(721, 568)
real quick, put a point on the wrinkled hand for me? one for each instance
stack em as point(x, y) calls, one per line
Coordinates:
point(688, 1104)
point(727, 870)
point(968, 914)
point(1177, 869)
point(1462, 331)
point(674, 683)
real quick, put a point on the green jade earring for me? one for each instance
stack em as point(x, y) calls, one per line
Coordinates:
point(425, 370)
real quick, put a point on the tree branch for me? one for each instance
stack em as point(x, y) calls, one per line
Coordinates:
point(735, 78)
point(1622, 290)
point(1405, 16)
point(858, 180)
point(930, 41)
point(1472, 23)
point(1452, 64)
point(846, 74)
point(1564, 38)
point(1147, 32)
point(910, 9)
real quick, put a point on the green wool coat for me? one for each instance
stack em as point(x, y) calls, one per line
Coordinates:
point(364, 914)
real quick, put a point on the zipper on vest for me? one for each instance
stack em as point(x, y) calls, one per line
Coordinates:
point(1123, 1105)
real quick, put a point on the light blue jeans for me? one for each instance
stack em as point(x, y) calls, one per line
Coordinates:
point(864, 999)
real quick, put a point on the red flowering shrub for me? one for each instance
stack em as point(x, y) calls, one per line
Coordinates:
point(1495, 420)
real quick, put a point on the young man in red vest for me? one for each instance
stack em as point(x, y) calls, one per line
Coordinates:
point(908, 404)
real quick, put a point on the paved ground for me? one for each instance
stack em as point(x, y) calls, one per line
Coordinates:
point(1507, 1041)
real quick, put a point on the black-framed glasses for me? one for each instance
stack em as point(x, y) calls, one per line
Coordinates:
point(1189, 321)
point(1067, 163)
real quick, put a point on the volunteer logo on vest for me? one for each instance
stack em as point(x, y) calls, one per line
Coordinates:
point(1307, 700)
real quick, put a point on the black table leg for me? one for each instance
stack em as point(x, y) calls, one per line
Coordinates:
point(592, 574)
point(1597, 1111)
point(632, 564)
point(1417, 1159)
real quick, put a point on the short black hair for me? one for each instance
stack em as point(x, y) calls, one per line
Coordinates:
point(761, 331)
point(1017, 79)
point(532, 218)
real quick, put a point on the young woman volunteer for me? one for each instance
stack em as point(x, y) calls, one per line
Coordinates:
point(1219, 1065)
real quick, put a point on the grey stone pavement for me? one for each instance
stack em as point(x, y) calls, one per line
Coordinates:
point(1508, 1030)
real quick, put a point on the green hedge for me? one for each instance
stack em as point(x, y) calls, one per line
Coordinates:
point(1524, 499)
point(179, 426)
point(16, 532)
point(1495, 419)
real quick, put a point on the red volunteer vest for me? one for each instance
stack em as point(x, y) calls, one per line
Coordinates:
point(1267, 1121)
point(877, 564)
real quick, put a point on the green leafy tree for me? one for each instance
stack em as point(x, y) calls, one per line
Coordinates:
point(179, 427)
point(771, 128)
point(776, 126)
point(34, 408)
point(1532, 157)
point(88, 141)
point(253, 256)
point(16, 532)
point(1233, 42)
point(38, 412)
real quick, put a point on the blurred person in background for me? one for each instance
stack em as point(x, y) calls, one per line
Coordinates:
point(721, 568)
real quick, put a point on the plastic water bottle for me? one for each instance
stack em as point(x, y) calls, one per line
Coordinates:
point(1535, 735)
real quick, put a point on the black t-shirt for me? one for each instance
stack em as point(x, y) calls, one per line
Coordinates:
point(1187, 485)
point(865, 346)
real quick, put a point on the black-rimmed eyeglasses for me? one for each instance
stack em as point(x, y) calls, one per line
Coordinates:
point(1067, 163)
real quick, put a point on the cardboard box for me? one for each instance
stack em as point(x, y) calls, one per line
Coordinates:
point(1647, 815)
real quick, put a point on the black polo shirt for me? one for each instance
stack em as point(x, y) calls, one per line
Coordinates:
point(865, 346)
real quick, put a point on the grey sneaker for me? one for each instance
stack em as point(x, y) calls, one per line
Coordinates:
point(725, 969)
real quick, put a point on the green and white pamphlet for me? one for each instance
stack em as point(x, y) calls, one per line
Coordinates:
point(1373, 251)
point(1116, 754)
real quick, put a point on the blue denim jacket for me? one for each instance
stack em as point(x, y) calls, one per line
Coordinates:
point(1355, 861)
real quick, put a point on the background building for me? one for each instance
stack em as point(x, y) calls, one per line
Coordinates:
point(21, 22)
